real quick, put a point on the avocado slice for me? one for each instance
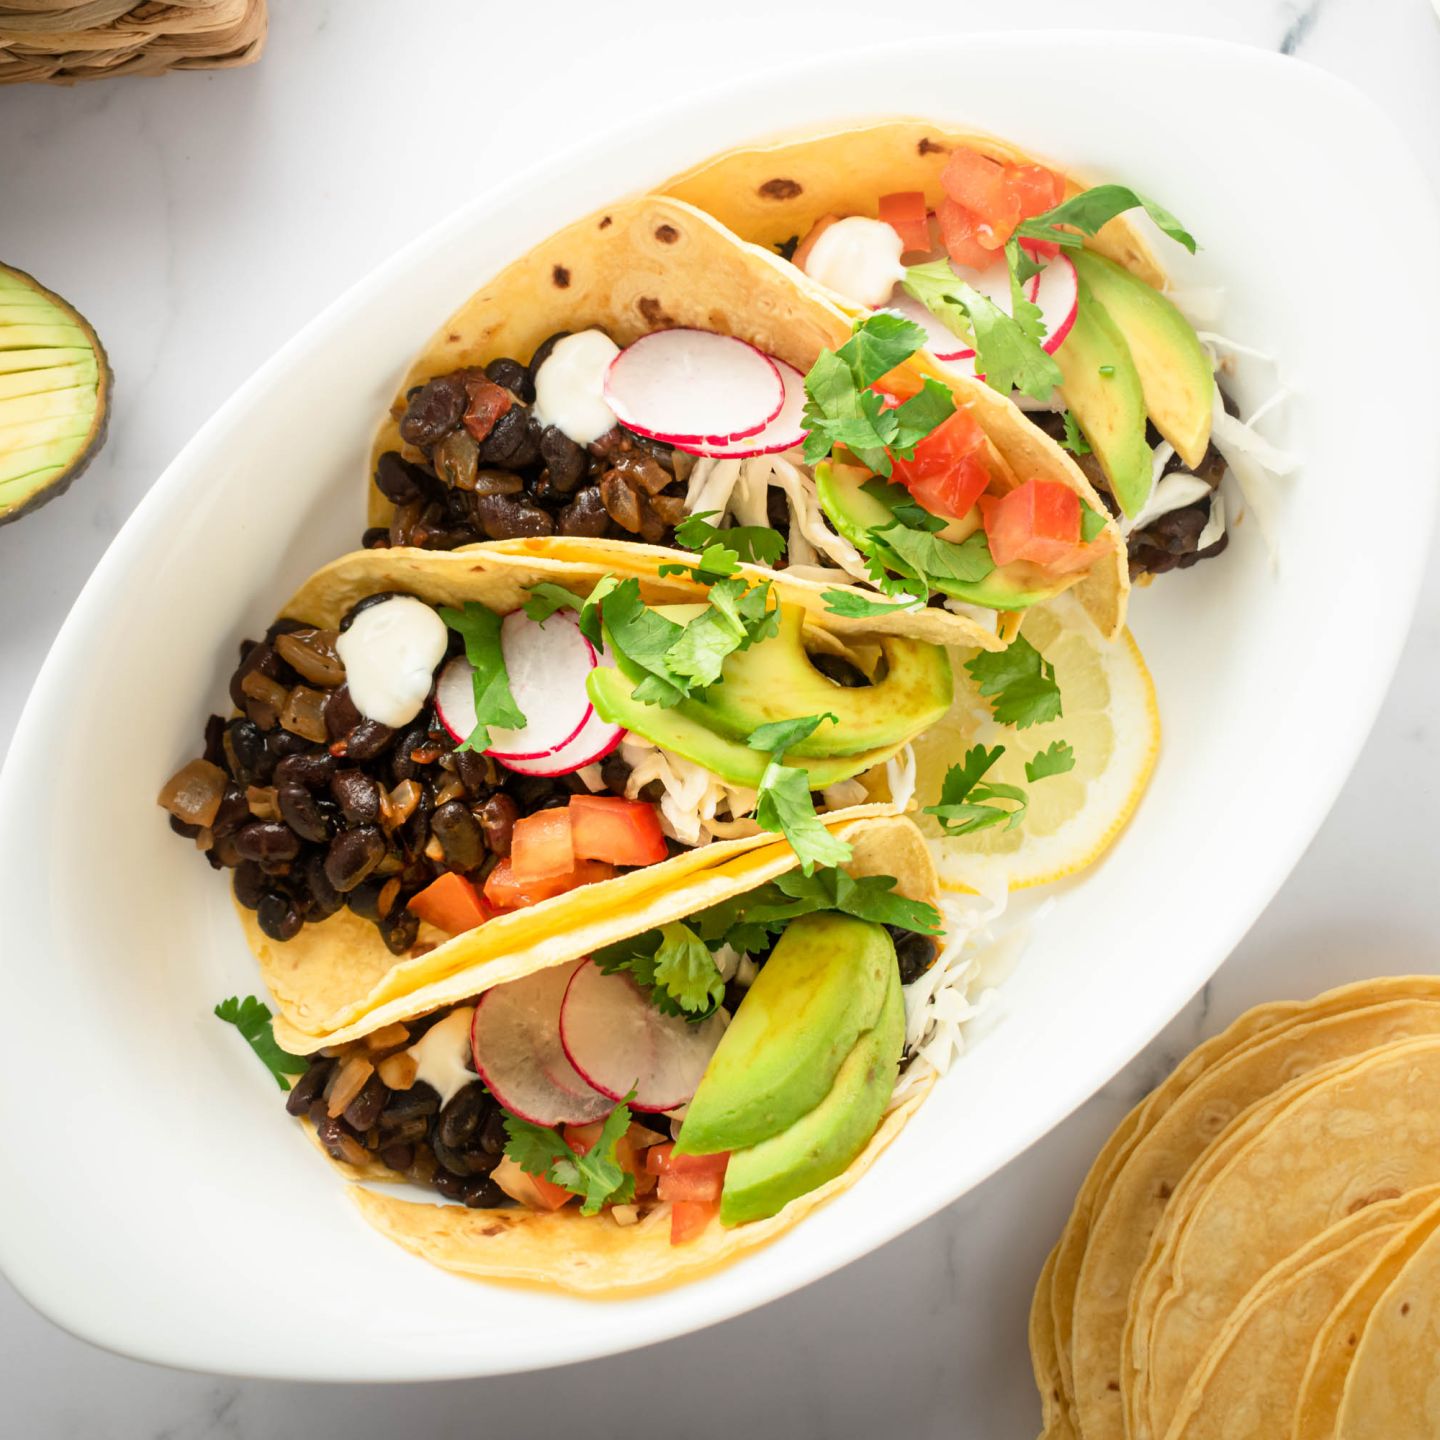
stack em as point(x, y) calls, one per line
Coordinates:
point(761, 1180)
point(54, 394)
point(854, 512)
point(824, 985)
point(1175, 372)
point(1102, 388)
point(612, 694)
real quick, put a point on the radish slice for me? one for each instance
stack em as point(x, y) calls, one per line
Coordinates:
point(693, 386)
point(515, 1038)
point(784, 432)
point(1056, 290)
point(597, 738)
point(619, 1042)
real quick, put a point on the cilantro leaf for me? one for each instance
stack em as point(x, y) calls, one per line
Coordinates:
point(870, 897)
point(546, 598)
point(908, 424)
point(898, 500)
point(1022, 264)
point(590, 611)
point(965, 803)
point(755, 544)
point(1021, 679)
point(927, 558)
point(251, 1017)
point(479, 626)
point(686, 971)
point(784, 805)
point(859, 607)
point(1055, 759)
point(1074, 440)
point(737, 617)
point(1091, 209)
point(1092, 522)
point(595, 1176)
point(644, 638)
point(878, 344)
point(779, 735)
point(1007, 348)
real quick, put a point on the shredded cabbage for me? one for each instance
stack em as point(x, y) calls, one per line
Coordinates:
point(693, 797)
point(900, 776)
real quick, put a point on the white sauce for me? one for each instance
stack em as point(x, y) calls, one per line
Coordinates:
point(569, 386)
point(859, 259)
point(390, 653)
point(442, 1054)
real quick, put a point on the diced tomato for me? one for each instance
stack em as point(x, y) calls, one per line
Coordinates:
point(582, 1139)
point(541, 846)
point(676, 1186)
point(662, 1160)
point(1039, 521)
point(989, 200)
point(689, 1217)
point(488, 402)
point(504, 892)
point(958, 230)
point(1035, 188)
point(803, 249)
point(549, 1195)
point(452, 904)
point(623, 832)
point(906, 213)
point(948, 473)
point(976, 181)
point(533, 1191)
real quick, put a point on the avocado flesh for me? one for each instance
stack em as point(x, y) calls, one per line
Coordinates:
point(54, 394)
point(1176, 377)
point(612, 694)
point(854, 512)
point(1109, 408)
point(761, 1180)
point(823, 987)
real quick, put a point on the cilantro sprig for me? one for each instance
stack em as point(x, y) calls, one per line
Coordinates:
point(251, 1017)
point(722, 551)
point(1055, 759)
point(1092, 209)
point(968, 804)
point(1019, 683)
point(674, 964)
point(479, 627)
point(908, 545)
point(595, 1176)
point(783, 802)
point(861, 607)
point(1074, 440)
point(546, 598)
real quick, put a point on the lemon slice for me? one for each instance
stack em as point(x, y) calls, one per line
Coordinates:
point(1110, 720)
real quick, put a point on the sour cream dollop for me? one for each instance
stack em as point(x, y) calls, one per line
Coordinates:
point(859, 259)
point(569, 386)
point(390, 652)
point(442, 1054)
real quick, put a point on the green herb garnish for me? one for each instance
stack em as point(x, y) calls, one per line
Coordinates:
point(595, 1176)
point(546, 598)
point(1074, 440)
point(860, 607)
point(1088, 211)
point(754, 544)
point(251, 1017)
point(968, 806)
point(782, 735)
point(479, 626)
point(674, 964)
point(1019, 683)
point(1055, 759)
point(1092, 522)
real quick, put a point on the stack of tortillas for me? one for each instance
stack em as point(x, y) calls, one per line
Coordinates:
point(1255, 1254)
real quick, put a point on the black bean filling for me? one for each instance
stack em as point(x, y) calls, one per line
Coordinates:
point(479, 466)
point(326, 809)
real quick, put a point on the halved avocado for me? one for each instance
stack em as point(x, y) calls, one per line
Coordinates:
point(1102, 388)
point(1175, 372)
point(54, 394)
point(854, 512)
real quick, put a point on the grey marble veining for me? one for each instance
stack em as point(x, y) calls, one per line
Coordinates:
point(199, 220)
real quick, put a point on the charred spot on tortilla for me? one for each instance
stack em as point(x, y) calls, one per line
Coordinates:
point(561, 276)
point(605, 223)
point(666, 234)
point(780, 189)
point(927, 146)
point(653, 313)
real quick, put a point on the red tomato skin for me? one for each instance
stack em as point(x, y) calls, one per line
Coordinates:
point(504, 892)
point(975, 181)
point(619, 831)
point(452, 904)
point(488, 402)
point(958, 229)
point(662, 1160)
point(688, 1218)
point(906, 213)
point(550, 1195)
point(675, 1187)
point(1035, 188)
point(1038, 521)
point(948, 472)
point(541, 846)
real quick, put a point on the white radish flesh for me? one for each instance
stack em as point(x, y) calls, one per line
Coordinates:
point(784, 432)
point(515, 1039)
point(693, 387)
point(597, 738)
point(1056, 290)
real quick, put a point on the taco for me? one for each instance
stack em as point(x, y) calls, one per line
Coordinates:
point(639, 1106)
point(958, 230)
point(440, 760)
point(642, 384)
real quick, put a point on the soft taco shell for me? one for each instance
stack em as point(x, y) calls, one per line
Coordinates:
point(596, 1256)
point(653, 263)
point(332, 974)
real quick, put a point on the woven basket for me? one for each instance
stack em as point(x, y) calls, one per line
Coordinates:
point(61, 41)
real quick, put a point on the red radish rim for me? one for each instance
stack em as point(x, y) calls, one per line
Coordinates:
point(747, 450)
point(548, 766)
point(553, 750)
point(613, 1093)
point(627, 419)
point(1056, 338)
point(505, 760)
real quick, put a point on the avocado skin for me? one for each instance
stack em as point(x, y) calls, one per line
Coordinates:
point(1110, 409)
point(56, 480)
point(854, 513)
point(1175, 373)
point(823, 987)
point(762, 1180)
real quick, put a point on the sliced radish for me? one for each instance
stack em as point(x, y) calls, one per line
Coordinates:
point(1056, 290)
point(784, 432)
point(619, 1042)
point(693, 387)
point(515, 1038)
point(597, 738)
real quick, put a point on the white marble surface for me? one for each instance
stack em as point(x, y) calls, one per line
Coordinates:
point(200, 220)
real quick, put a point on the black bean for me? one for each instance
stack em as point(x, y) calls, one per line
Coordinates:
point(308, 1087)
point(459, 835)
point(399, 481)
point(364, 899)
point(284, 743)
point(403, 766)
point(493, 1134)
point(514, 377)
point(398, 1156)
point(278, 917)
point(497, 821)
point(352, 855)
point(405, 1132)
point(494, 482)
point(324, 898)
point(462, 1162)
point(367, 740)
point(259, 657)
point(418, 1102)
point(267, 841)
point(462, 1115)
point(357, 795)
point(246, 756)
point(183, 827)
point(914, 952)
point(840, 670)
point(534, 791)
point(437, 407)
point(233, 812)
point(514, 442)
point(503, 518)
point(214, 738)
point(301, 813)
point(250, 884)
point(329, 1132)
point(476, 772)
point(377, 537)
point(452, 1187)
point(399, 929)
point(312, 769)
point(542, 352)
point(341, 716)
point(482, 1193)
point(364, 1110)
point(222, 854)
point(563, 458)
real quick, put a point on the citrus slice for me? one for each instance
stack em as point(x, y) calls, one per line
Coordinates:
point(1110, 721)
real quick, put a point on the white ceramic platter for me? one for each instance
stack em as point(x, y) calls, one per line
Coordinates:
point(155, 1199)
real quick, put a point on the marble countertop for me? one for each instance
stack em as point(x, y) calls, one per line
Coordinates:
point(200, 220)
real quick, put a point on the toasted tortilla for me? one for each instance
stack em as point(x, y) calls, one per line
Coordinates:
point(652, 263)
point(334, 973)
point(596, 1256)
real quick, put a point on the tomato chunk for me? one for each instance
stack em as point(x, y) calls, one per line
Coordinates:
point(906, 213)
point(976, 181)
point(803, 249)
point(622, 832)
point(675, 1186)
point(990, 199)
point(452, 904)
point(582, 1139)
point(488, 402)
point(548, 1195)
point(662, 1160)
point(541, 846)
point(1035, 188)
point(948, 472)
point(689, 1217)
point(1039, 521)
point(958, 230)
point(504, 892)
